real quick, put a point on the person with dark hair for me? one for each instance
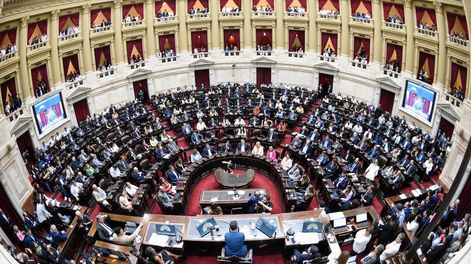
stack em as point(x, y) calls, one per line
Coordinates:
point(264, 206)
point(235, 241)
point(215, 209)
point(162, 257)
point(311, 253)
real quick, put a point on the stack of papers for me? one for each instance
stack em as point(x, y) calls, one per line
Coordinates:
point(403, 196)
point(158, 240)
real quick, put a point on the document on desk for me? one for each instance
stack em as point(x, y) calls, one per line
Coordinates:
point(158, 240)
point(307, 238)
point(337, 215)
point(403, 196)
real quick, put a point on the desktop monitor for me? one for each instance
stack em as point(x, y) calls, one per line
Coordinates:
point(205, 227)
point(49, 113)
point(312, 226)
point(165, 230)
point(340, 222)
point(362, 218)
point(265, 227)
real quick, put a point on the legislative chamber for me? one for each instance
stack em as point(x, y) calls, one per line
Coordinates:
point(235, 131)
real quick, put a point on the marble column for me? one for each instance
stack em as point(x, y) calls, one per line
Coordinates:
point(85, 30)
point(53, 41)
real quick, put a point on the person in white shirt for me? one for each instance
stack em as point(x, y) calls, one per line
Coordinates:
point(114, 148)
point(115, 172)
point(362, 238)
point(392, 248)
point(200, 126)
point(286, 163)
point(428, 166)
point(372, 170)
point(131, 189)
point(258, 149)
point(100, 195)
point(239, 122)
point(124, 202)
point(413, 225)
point(76, 189)
point(42, 214)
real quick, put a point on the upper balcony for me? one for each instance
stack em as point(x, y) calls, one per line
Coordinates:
point(296, 16)
point(38, 43)
point(264, 51)
point(101, 28)
point(69, 34)
point(132, 22)
point(164, 20)
point(231, 15)
point(361, 20)
point(427, 32)
point(198, 16)
point(74, 82)
point(394, 26)
point(7, 54)
point(261, 14)
point(328, 58)
point(105, 71)
point(458, 40)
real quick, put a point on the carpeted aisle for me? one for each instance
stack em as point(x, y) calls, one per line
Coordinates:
point(209, 183)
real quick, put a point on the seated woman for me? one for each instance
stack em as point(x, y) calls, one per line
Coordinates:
point(258, 149)
point(286, 163)
point(162, 257)
point(124, 202)
point(130, 189)
point(165, 186)
point(195, 156)
point(271, 154)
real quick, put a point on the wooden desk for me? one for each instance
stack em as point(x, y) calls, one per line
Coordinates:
point(295, 221)
point(352, 213)
point(226, 197)
point(119, 248)
point(151, 220)
point(117, 218)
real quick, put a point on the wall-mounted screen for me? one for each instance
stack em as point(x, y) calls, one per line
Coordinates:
point(49, 112)
point(419, 101)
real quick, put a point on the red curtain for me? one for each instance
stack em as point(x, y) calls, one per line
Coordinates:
point(81, 110)
point(170, 39)
point(191, 3)
point(420, 12)
point(358, 43)
point(465, 202)
point(237, 3)
point(202, 77)
point(39, 73)
point(392, 49)
point(455, 18)
point(71, 62)
point(141, 85)
point(302, 2)
point(25, 143)
point(172, 8)
point(199, 39)
point(264, 3)
point(128, 8)
point(74, 18)
point(356, 3)
point(292, 39)
point(263, 76)
point(7, 37)
point(97, 15)
point(335, 3)
point(326, 79)
point(446, 127)
point(9, 209)
point(458, 71)
point(263, 37)
point(386, 99)
point(423, 57)
point(8, 88)
point(325, 41)
point(42, 25)
point(102, 53)
point(135, 45)
point(232, 38)
point(387, 6)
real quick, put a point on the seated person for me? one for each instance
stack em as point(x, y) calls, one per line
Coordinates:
point(235, 241)
point(124, 202)
point(56, 235)
point(306, 149)
point(104, 231)
point(76, 189)
point(295, 173)
point(341, 182)
point(115, 172)
point(258, 150)
point(272, 135)
point(242, 146)
point(162, 257)
point(137, 175)
point(264, 206)
point(195, 156)
point(271, 154)
point(286, 163)
point(100, 196)
point(121, 238)
point(186, 129)
point(196, 138)
point(323, 159)
point(396, 180)
point(172, 174)
point(225, 148)
point(310, 253)
point(209, 151)
point(214, 209)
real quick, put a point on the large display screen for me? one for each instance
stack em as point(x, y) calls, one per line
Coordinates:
point(49, 112)
point(419, 101)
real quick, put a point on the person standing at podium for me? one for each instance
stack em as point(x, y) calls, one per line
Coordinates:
point(235, 241)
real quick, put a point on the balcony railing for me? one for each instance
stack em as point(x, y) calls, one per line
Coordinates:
point(69, 36)
point(100, 29)
point(391, 73)
point(198, 16)
point(230, 14)
point(232, 52)
point(17, 113)
point(200, 54)
point(37, 45)
point(296, 54)
point(328, 15)
point(138, 64)
point(133, 23)
point(428, 32)
point(327, 58)
point(263, 13)
point(168, 59)
point(362, 20)
point(106, 72)
point(453, 100)
point(75, 83)
point(166, 19)
point(261, 52)
point(394, 25)
point(7, 56)
point(296, 14)
point(458, 40)
point(361, 65)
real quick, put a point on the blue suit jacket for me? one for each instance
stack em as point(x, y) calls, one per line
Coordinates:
point(235, 244)
point(172, 176)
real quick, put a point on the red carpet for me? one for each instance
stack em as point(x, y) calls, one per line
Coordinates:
point(156, 209)
point(209, 183)
point(377, 205)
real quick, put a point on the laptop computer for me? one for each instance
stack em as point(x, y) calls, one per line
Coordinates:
point(205, 227)
point(265, 227)
point(312, 227)
point(165, 230)
point(362, 220)
point(340, 225)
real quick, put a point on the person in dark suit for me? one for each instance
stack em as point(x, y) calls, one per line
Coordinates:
point(242, 146)
point(172, 175)
point(253, 201)
point(437, 251)
point(235, 241)
point(225, 148)
point(209, 151)
point(367, 197)
point(311, 253)
point(137, 175)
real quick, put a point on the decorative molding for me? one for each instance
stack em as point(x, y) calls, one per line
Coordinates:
point(263, 61)
point(139, 73)
point(77, 94)
point(201, 63)
point(326, 66)
point(20, 125)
